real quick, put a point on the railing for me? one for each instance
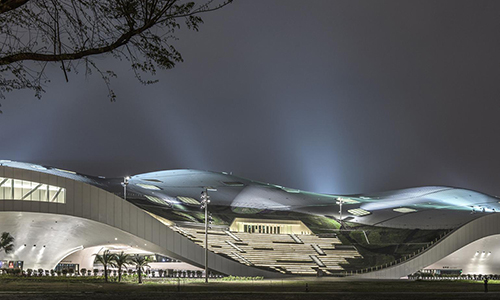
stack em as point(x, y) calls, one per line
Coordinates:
point(401, 260)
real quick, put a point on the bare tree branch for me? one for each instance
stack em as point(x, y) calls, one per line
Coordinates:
point(34, 33)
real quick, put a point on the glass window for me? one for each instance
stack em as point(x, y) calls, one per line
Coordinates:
point(18, 189)
point(15, 189)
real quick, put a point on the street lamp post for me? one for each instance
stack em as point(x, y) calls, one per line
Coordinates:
point(339, 202)
point(205, 200)
point(124, 184)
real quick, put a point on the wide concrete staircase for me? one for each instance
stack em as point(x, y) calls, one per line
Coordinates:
point(285, 253)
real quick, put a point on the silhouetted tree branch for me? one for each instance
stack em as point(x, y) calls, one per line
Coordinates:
point(34, 33)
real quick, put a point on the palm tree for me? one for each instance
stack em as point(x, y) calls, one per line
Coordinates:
point(107, 259)
point(140, 262)
point(6, 242)
point(121, 261)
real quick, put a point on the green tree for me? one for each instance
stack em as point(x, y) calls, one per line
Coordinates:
point(72, 33)
point(121, 260)
point(6, 242)
point(107, 259)
point(140, 263)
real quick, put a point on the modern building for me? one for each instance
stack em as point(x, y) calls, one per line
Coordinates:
point(60, 217)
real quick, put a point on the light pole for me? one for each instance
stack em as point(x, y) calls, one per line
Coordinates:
point(339, 202)
point(205, 200)
point(124, 184)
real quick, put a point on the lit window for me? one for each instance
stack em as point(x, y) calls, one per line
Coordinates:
point(153, 180)
point(188, 200)
point(347, 200)
point(149, 186)
point(15, 189)
point(359, 212)
point(157, 200)
point(404, 210)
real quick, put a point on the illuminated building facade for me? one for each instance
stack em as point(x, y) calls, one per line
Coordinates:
point(259, 229)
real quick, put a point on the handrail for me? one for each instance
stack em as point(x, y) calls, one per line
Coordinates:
point(405, 258)
point(452, 240)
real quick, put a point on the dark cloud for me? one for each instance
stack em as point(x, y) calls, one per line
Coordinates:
point(327, 96)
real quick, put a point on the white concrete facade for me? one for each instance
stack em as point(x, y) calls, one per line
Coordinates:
point(92, 217)
point(487, 226)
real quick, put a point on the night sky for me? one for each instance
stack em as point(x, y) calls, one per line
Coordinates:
point(325, 96)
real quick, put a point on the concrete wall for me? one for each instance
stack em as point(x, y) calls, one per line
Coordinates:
point(91, 203)
point(485, 226)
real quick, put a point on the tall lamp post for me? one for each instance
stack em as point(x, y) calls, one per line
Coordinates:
point(205, 200)
point(124, 184)
point(339, 202)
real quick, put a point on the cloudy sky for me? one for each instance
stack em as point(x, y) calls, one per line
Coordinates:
point(326, 96)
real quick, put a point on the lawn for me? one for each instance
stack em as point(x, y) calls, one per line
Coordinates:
point(324, 288)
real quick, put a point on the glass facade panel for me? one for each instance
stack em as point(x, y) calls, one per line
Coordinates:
point(44, 193)
point(62, 196)
point(18, 189)
point(15, 189)
point(8, 189)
